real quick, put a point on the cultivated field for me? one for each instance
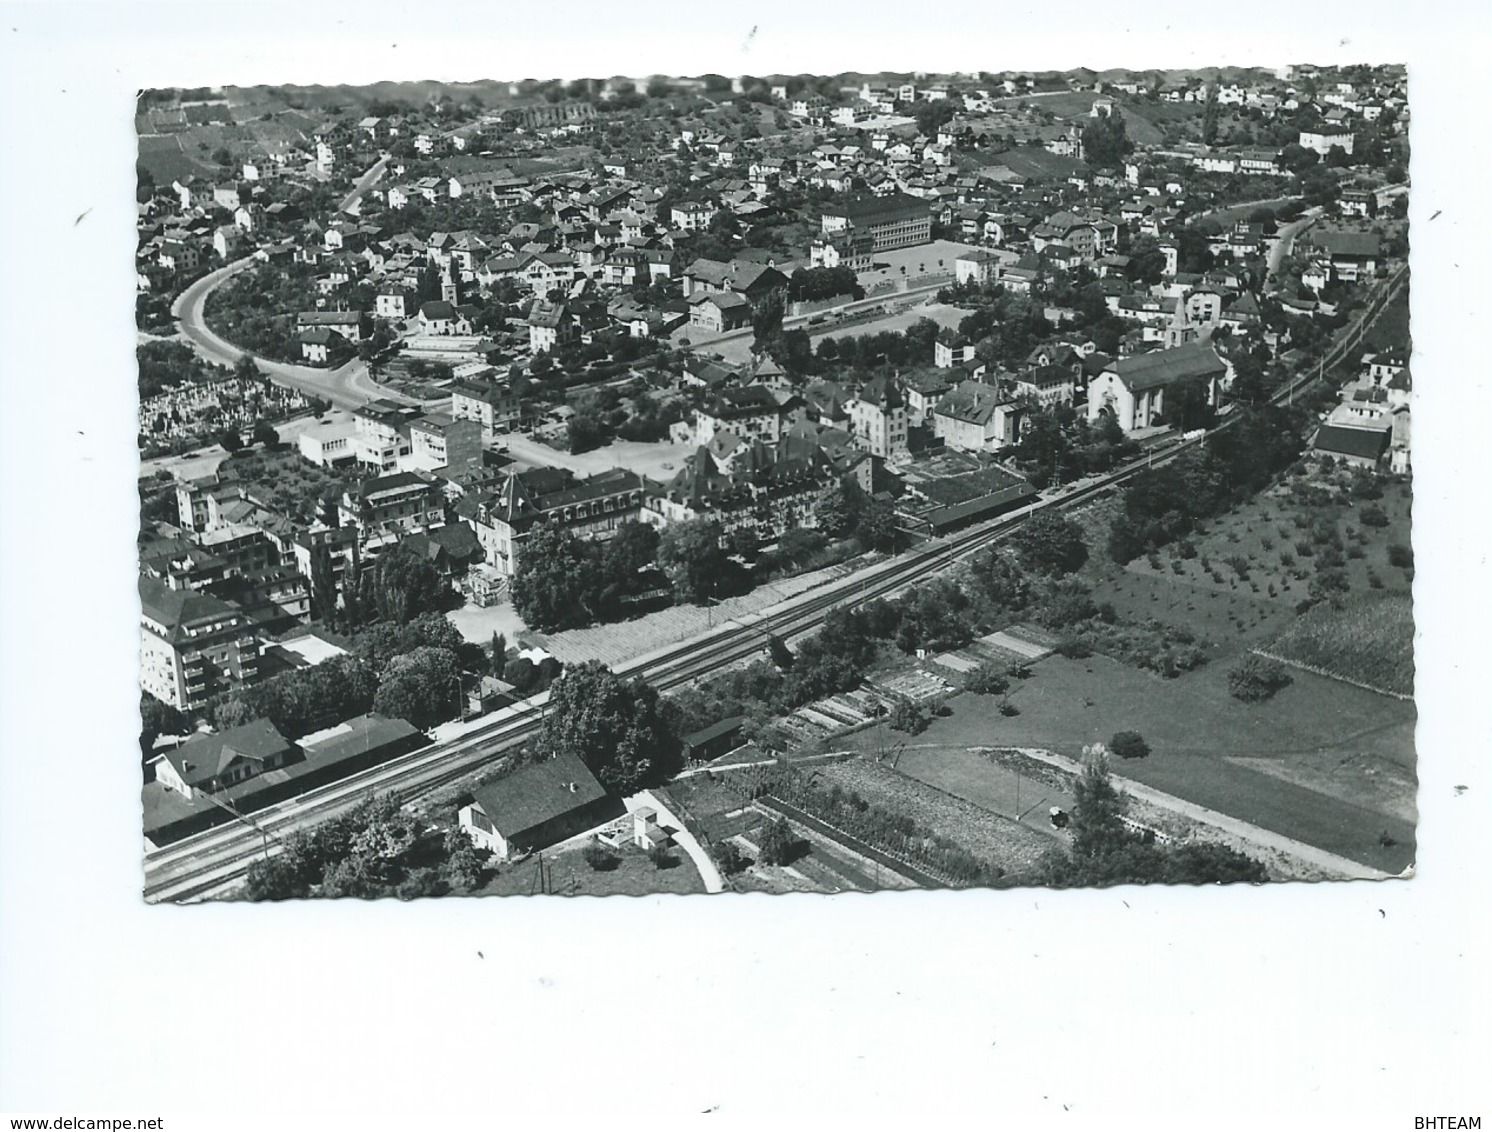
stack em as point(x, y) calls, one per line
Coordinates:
point(720, 803)
point(1370, 640)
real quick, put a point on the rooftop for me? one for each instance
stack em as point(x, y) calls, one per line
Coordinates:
point(537, 794)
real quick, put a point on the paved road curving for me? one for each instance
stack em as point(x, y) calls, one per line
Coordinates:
point(682, 838)
point(347, 386)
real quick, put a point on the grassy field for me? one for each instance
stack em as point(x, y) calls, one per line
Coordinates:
point(569, 875)
point(1323, 762)
point(1251, 568)
point(927, 799)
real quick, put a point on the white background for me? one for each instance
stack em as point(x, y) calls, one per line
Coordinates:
point(1355, 998)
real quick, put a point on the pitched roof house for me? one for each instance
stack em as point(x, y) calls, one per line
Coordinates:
point(536, 806)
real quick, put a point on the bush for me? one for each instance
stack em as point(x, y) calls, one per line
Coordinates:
point(1074, 648)
point(661, 857)
point(1129, 745)
point(599, 857)
point(779, 845)
point(1257, 678)
point(1373, 516)
point(1401, 556)
point(987, 680)
point(908, 717)
point(730, 858)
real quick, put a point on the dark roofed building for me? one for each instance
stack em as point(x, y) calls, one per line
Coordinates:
point(894, 221)
point(323, 757)
point(711, 742)
point(537, 806)
point(1133, 389)
point(211, 762)
point(1360, 447)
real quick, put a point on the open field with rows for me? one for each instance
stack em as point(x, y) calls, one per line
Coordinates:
point(1370, 640)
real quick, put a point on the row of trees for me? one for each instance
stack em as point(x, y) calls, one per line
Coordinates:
point(566, 582)
point(376, 849)
point(1058, 445)
point(408, 671)
point(398, 588)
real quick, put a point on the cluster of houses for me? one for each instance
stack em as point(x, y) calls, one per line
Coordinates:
point(601, 254)
point(1369, 426)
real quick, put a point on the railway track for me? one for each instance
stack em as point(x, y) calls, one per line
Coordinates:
point(206, 862)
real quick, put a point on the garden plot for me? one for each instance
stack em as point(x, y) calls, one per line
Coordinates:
point(956, 662)
point(1020, 644)
point(917, 686)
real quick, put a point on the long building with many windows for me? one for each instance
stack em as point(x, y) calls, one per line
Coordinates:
point(896, 221)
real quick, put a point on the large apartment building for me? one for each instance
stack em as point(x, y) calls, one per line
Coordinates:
point(590, 508)
point(492, 405)
point(192, 645)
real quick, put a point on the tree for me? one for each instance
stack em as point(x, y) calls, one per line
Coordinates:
point(691, 556)
point(422, 687)
point(1319, 186)
point(730, 858)
point(876, 525)
point(782, 656)
point(1129, 745)
point(323, 583)
point(932, 114)
point(907, 716)
point(158, 718)
point(1051, 543)
point(499, 655)
point(837, 508)
point(1257, 678)
point(1097, 807)
point(587, 429)
point(989, 679)
point(1250, 384)
point(465, 866)
point(766, 320)
point(404, 586)
point(599, 857)
point(631, 549)
point(556, 583)
point(1147, 262)
point(615, 727)
point(1209, 117)
point(1106, 141)
point(779, 844)
point(288, 875)
point(1188, 405)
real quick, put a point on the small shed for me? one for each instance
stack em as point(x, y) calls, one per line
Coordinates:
point(711, 742)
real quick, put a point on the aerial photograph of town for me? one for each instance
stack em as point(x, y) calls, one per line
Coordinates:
point(775, 484)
